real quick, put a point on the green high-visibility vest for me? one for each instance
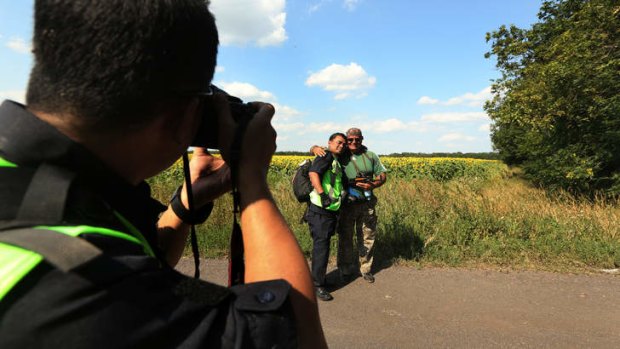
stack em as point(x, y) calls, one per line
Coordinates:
point(16, 262)
point(332, 185)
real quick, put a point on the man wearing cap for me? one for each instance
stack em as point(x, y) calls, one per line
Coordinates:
point(358, 214)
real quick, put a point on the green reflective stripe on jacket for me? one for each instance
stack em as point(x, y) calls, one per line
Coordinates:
point(15, 263)
point(135, 236)
point(87, 229)
point(6, 163)
point(334, 192)
point(136, 233)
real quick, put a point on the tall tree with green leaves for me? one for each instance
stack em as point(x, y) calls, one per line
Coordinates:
point(556, 106)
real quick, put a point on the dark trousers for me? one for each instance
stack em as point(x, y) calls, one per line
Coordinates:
point(322, 228)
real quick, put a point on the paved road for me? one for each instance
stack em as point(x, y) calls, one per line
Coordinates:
point(452, 308)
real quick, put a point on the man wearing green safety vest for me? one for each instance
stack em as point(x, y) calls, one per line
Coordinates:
point(116, 94)
point(326, 176)
point(358, 216)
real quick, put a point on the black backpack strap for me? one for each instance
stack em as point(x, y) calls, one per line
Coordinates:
point(63, 251)
point(45, 198)
point(43, 202)
point(372, 162)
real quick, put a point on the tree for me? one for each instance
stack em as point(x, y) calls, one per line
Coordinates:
point(556, 106)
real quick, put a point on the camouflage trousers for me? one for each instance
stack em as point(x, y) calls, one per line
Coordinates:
point(361, 219)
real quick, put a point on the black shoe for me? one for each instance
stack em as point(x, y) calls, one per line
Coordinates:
point(368, 277)
point(322, 294)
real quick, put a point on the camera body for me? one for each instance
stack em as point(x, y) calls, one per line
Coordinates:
point(360, 178)
point(209, 128)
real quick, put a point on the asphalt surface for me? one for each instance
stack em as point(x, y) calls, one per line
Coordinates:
point(453, 308)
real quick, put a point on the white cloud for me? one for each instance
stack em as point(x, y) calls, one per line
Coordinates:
point(471, 99)
point(315, 7)
point(284, 112)
point(16, 95)
point(451, 137)
point(468, 99)
point(368, 127)
point(282, 138)
point(19, 45)
point(455, 117)
point(391, 125)
point(350, 5)
point(250, 93)
point(324, 127)
point(485, 128)
point(288, 127)
point(247, 92)
point(242, 22)
point(345, 80)
point(220, 69)
point(427, 100)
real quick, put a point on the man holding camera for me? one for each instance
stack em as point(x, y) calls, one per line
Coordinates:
point(116, 94)
point(357, 214)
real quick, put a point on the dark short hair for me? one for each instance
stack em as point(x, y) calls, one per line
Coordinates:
point(334, 135)
point(114, 62)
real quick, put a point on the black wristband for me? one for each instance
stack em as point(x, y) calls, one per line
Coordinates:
point(200, 215)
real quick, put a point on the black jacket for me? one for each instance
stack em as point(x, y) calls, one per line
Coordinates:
point(127, 298)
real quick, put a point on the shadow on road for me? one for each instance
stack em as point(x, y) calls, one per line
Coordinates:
point(395, 240)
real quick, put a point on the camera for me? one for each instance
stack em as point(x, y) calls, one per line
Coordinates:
point(360, 178)
point(208, 130)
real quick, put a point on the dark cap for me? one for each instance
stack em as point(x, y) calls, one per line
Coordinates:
point(354, 131)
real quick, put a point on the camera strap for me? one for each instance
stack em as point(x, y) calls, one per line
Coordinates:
point(190, 204)
point(363, 160)
point(236, 263)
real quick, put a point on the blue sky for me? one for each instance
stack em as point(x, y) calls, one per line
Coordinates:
point(411, 74)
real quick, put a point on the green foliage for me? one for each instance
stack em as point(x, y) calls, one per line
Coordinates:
point(556, 108)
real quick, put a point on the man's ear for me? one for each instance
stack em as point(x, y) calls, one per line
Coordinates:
point(183, 122)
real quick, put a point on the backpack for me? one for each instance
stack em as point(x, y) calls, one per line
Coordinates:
point(301, 182)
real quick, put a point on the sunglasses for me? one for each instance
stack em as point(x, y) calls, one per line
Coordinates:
point(355, 140)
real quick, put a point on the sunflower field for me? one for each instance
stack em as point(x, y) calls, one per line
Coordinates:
point(440, 169)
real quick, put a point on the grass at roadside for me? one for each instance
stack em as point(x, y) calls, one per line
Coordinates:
point(499, 222)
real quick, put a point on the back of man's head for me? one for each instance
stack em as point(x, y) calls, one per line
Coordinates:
point(114, 63)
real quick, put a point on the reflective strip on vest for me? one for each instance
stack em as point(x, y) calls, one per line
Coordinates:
point(335, 192)
point(16, 262)
point(6, 163)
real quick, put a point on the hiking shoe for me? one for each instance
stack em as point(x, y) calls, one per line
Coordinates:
point(323, 294)
point(368, 277)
